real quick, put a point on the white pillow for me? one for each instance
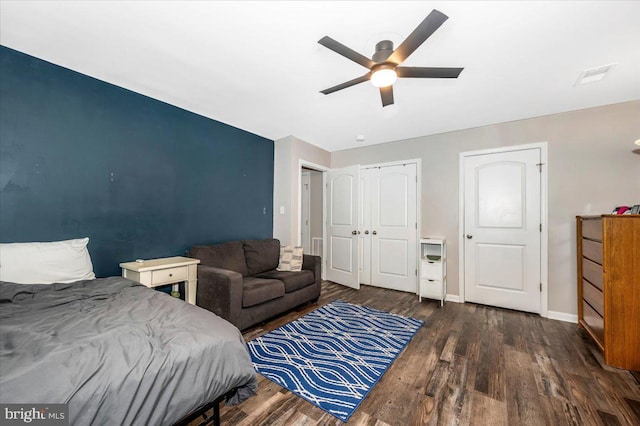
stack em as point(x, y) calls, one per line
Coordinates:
point(290, 258)
point(46, 263)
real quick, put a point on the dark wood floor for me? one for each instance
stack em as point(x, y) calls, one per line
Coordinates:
point(469, 364)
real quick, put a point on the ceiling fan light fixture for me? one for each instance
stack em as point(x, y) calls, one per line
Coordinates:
point(383, 75)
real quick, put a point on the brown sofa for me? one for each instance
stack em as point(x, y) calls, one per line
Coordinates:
point(238, 281)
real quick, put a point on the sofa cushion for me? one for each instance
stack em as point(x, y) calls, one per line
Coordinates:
point(261, 255)
point(228, 255)
point(292, 280)
point(259, 290)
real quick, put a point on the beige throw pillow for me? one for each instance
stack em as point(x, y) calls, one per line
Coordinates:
point(290, 258)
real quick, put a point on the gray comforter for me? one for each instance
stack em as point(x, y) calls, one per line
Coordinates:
point(117, 352)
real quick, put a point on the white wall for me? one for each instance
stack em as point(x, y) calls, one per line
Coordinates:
point(591, 169)
point(282, 176)
point(288, 152)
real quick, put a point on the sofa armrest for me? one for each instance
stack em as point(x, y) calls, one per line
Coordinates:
point(313, 264)
point(220, 291)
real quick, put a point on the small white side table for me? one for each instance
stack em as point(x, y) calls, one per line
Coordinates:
point(168, 270)
point(433, 269)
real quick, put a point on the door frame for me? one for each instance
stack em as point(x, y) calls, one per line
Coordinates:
point(544, 217)
point(305, 173)
point(317, 167)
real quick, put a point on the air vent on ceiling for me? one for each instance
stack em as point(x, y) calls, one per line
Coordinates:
point(594, 74)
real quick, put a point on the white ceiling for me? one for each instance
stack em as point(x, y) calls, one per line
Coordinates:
point(258, 66)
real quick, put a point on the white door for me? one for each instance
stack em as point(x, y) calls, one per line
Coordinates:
point(305, 230)
point(502, 229)
point(364, 228)
point(394, 227)
point(342, 226)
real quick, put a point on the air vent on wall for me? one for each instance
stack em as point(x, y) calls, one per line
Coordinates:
point(594, 74)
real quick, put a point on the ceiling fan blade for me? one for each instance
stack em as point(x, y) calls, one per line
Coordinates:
point(349, 83)
point(428, 72)
point(345, 51)
point(387, 95)
point(427, 27)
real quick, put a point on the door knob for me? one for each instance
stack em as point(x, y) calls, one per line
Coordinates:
point(366, 232)
point(469, 236)
point(375, 232)
point(354, 232)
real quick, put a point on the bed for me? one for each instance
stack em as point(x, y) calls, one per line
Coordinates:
point(117, 352)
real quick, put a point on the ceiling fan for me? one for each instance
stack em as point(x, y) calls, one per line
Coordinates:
point(384, 66)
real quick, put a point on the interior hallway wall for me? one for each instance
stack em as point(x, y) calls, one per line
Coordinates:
point(288, 152)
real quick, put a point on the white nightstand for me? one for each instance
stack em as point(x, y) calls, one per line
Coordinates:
point(169, 270)
point(433, 269)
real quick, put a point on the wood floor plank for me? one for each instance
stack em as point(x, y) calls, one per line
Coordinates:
point(497, 386)
point(523, 401)
point(566, 412)
point(469, 364)
point(616, 402)
point(486, 411)
point(609, 419)
point(550, 381)
point(581, 396)
point(634, 405)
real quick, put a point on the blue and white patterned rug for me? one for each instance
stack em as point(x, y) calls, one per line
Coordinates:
point(333, 356)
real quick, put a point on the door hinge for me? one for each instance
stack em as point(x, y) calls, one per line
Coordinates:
point(416, 272)
point(416, 225)
point(540, 167)
point(540, 227)
point(540, 287)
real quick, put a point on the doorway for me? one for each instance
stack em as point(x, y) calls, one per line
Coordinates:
point(311, 230)
point(503, 215)
point(311, 211)
point(372, 226)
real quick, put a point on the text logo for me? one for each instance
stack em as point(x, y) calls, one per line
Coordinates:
point(34, 414)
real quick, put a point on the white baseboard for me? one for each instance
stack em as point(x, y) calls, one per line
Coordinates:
point(562, 316)
point(554, 315)
point(452, 298)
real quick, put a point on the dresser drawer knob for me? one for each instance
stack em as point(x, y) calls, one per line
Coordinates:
point(170, 275)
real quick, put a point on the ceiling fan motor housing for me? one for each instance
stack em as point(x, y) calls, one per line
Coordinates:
point(384, 49)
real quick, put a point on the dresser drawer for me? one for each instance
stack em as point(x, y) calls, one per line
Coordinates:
point(431, 289)
point(593, 296)
point(592, 250)
point(592, 272)
point(169, 275)
point(432, 270)
point(592, 229)
point(594, 321)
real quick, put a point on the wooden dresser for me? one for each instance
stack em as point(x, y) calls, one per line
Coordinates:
point(609, 285)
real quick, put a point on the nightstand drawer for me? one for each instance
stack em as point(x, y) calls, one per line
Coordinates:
point(431, 270)
point(431, 289)
point(169, 275)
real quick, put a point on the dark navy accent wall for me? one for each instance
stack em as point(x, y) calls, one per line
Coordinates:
point(143, 179)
